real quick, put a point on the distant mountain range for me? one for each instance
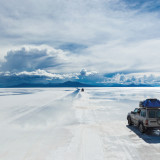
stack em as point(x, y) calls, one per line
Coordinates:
point(65, 84)
point(126, 85)
point(76, 84)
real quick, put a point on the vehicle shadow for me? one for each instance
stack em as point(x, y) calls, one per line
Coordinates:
point(151, 136)
point(73, 94)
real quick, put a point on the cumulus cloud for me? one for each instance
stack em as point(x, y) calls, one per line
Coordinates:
point(37, 76)
point(148, 78)
point(84, 76)
point(42, 77)
point(33, 58)
point(106, 35)
point(83, 72)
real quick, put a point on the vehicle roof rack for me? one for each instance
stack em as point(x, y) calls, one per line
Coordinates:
point(150, 103)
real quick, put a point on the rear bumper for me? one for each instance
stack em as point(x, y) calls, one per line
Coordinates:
point(148, 127)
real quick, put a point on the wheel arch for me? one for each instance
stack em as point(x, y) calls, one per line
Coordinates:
point(140, 122)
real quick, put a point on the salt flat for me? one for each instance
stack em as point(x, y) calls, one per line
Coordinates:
point(67, 124)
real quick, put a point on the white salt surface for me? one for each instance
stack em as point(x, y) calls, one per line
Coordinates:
point(66, 124)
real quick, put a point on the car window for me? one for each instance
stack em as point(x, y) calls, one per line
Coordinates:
point(143, 114)
point(152, 114)
point(136, 109)
point(158, 114)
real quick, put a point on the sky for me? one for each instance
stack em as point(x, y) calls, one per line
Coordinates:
point(103, 39)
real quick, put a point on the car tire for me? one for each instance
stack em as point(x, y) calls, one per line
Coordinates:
point(130, 121)
point(141, 128)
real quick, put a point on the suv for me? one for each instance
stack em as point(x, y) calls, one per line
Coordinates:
point(147, 116)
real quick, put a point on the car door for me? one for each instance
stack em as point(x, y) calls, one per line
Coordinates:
point(137, 117)
point(133, 115)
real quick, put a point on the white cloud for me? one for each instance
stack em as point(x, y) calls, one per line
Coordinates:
point(50, 76)
point(148, 78)
point(90, 77)
point(115, 37)
point(119, 56)
point(31, 58)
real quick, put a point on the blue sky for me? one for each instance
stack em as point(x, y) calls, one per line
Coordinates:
point(104, 37)
point(143, 5)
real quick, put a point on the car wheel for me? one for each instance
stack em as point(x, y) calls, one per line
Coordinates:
point(141, 128)
point(129, 121)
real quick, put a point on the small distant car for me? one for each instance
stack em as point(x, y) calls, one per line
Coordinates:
point(147, 116)
point(82, 90)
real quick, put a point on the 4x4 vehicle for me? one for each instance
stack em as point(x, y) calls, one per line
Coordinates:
point(147, 116)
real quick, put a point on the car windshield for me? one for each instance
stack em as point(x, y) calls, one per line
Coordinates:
point(136, 109)
point(154, 114)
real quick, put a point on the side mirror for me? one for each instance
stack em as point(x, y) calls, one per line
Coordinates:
point(132, 112)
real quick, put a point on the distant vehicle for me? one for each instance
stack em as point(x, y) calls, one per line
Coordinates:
point(82, 90)
point(147, 116)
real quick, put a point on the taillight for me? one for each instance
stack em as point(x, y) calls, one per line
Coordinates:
point(146, 122)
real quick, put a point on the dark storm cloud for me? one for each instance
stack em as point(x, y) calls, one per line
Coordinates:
point(30, 60)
